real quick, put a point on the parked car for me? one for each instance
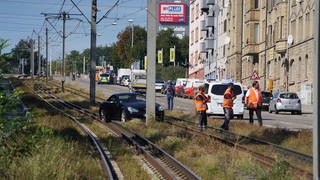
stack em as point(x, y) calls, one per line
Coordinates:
point(285, 102)
point(158, 85)
point(191, 89)
point(266, 97)
point(215, 91)
point(105, 78)
point(124, 106)
point(125, 80)
point(179, 87)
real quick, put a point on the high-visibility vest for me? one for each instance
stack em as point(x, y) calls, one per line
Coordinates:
point(200, 105)
point(253, 100)
point(228, 103)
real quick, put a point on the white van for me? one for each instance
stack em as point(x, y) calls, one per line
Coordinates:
point(215, 91)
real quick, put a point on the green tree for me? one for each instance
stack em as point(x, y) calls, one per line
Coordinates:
point(73, 62)
point(5, 58)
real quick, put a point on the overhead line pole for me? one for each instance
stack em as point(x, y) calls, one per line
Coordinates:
point(46, 62)
point(32, 60)
point(93, 52)
point(316, 107)
point(151, 57)
point(39, 58)
point(63, 49)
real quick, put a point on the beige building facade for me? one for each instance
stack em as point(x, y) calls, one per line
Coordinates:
point(259, 31)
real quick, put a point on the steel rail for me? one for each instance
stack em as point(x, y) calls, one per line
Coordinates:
point(153, 154)
point(107, 166)
point(287, 151)
point(264, 159)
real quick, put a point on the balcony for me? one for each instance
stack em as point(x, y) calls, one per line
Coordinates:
point(252, 15)
point(210, 21)
point(203, 26)
point(211, 2)
point(204, 6)
point(251, 49)
point(202, 47)
point(281, 46)
point(210, 43)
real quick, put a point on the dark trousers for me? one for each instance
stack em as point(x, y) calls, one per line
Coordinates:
point(258, 113)
point(170, 102)
point(228, 114)
point(202, 115)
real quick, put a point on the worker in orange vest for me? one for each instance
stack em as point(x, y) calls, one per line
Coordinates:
point(201, 107)
point(253, 102)
point(227, 105)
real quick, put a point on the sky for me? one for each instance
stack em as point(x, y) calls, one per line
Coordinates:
point(22, 19)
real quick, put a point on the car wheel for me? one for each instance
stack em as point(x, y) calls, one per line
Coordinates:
point(104, 117)
point(124, 116)
point(293, 112)
point(276, 110)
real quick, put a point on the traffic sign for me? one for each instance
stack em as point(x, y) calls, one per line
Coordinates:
point(255, 76)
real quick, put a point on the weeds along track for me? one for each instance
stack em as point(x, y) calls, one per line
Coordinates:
point(238, 141)
point(106, 163)
point(163, 163)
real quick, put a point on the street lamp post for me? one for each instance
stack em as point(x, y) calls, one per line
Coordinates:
point(131, 22)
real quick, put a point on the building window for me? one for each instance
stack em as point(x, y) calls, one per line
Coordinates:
point(197, 35)
point(308, 25)
point(224, 50)
point(256, 33)
point(225, 26)
point(192, 37)
point(192, 14)
point(268, 70)
point(306, 68)
point(282, 34)
point(299, 73)
point(197, 11)
point(256, 4)
point(300, 29)
point(292, 71)
point(293, 29)
point(269, 33)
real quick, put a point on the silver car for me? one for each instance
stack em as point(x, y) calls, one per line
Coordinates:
point(285, 102)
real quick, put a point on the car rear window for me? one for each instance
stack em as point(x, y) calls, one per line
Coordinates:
point(219, 89)
point(104, 75)
point(289, 96)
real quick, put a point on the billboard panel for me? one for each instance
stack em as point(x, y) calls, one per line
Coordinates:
point(172, 13)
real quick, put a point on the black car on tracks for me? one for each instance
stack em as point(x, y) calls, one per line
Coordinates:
point(124, 106)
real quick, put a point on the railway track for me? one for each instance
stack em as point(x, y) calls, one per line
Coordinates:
point(166, 165)
point(234, 140)
point(105, 161)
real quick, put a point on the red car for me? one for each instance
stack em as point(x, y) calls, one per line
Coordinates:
point(180, 83)
point(191, 88)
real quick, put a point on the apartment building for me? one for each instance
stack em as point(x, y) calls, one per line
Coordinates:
point(222, 37)
point(233, 66)
point(278, 44)
point(196, 58)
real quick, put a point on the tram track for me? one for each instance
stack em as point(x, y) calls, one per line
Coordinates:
point(236, 140)
point(166, 165)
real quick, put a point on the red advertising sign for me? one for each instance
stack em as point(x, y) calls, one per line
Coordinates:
point(172, 13)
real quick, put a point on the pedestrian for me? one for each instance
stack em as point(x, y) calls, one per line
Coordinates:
point(227, 104)
point(253, 102)
point(170, 95)
point(201, 107)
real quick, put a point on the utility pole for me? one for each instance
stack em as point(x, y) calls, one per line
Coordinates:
point(39, 58)
point(64, 15)
point(316, 107)
point(93, 52)
point(32, 60)
point(46, 62)
point(22, 65)
point(151, 57)
point(84, 65)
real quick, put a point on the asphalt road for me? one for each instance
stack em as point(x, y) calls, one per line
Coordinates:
point(281, 120)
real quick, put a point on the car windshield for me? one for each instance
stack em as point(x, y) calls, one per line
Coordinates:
point(219, 89)
point(159, 81)
point(289, 96)
point(131, 98)
point(104, 75)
